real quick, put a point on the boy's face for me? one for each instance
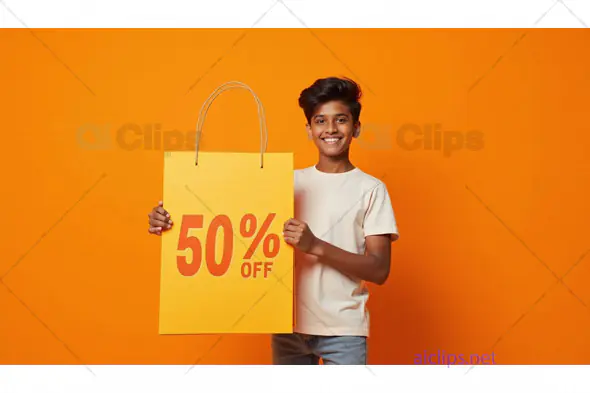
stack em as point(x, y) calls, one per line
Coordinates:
point(332, 128)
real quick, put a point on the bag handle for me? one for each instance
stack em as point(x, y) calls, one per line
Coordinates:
point(207, 104)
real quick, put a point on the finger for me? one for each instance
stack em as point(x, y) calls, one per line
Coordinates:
point(292, 221)
point(285, 225)
point(159, 217)
point(161, 203)
point(296, 223)
point(159, 221)
point(161, 211)
point(155, 229)
point(292, 228)
point(161, 224)
point(290, 240)
point(291, 234)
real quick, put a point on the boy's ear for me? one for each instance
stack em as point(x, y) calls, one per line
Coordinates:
point(357, 130)
point(309, 134)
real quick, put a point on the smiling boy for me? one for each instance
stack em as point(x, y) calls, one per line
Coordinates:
point(342, 234)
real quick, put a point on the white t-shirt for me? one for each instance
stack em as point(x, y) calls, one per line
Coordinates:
point(341, 209)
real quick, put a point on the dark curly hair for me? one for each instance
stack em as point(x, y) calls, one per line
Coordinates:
point(331, 89)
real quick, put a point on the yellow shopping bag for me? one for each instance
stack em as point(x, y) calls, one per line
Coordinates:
point(224, 265)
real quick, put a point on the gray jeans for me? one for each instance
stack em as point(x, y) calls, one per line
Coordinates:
point(303, 349)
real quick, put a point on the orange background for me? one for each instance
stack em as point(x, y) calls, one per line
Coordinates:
point(486, 235)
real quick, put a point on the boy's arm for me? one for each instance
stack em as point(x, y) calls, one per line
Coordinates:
point(373, 266)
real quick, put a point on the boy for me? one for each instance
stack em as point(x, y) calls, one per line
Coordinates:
point(342, 235)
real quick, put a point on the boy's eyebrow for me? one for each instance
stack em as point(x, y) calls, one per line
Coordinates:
point(337, 114)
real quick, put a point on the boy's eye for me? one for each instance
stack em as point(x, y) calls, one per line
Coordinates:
point(341, 120)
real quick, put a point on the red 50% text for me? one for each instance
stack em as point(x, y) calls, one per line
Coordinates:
point(248, 226)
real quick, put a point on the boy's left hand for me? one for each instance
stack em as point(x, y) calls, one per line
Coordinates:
point(298, 234)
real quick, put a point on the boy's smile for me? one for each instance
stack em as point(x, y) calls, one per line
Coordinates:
point(332, 128)
point(331, 140)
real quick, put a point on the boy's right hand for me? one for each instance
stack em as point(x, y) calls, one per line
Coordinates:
point(159, 220)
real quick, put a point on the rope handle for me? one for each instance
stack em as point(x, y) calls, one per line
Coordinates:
point(209, 101)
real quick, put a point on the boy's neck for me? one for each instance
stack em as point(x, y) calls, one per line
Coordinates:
point(334, 165)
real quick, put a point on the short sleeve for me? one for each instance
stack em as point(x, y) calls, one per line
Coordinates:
point(380, 217)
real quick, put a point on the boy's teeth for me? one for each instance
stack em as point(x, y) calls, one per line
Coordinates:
point(331, 140)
